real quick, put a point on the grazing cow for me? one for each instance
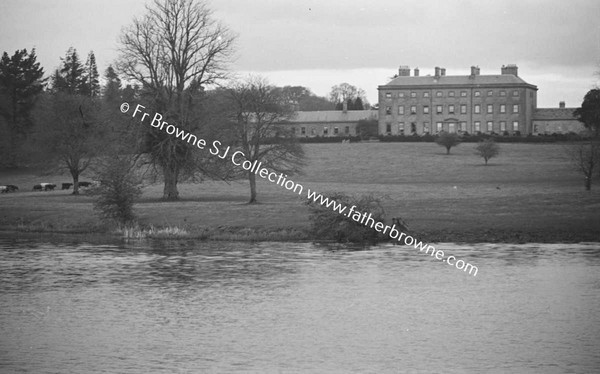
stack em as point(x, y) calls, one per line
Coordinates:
point(44, 187)
point(8, 188)
point(66, 186)
point(85, 184)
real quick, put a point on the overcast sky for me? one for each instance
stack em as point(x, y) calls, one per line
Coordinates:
point(318, 44)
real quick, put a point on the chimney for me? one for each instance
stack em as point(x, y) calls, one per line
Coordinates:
point(510, 69)
point(345, 106)
point(416, 72)
point(443, 72)
point(404, 71)
point(474, 70)
point(561, 105)
point(437, 72)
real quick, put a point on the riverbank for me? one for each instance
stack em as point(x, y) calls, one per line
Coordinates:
point(528, 194)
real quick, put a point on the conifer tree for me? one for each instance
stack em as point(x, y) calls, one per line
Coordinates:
point(112, 87)
point(91, 76)
point(21, 82)
point(70, 77)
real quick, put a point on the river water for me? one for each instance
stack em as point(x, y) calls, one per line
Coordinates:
point(195, 307)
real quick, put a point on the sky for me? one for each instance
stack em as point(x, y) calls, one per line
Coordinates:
point(321, 43)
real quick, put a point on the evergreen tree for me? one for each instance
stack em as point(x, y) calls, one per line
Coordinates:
point(91, 76)
point(21, 82)
point(70, 78)
point(358, 104)
point(112, 87)
point(589, 112)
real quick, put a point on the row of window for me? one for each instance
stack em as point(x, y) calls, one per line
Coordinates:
point(313, 131)
point(451, 109)
point(457, 126)
point(477, 93)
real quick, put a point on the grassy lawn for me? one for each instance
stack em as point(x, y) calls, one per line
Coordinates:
point(528, 193)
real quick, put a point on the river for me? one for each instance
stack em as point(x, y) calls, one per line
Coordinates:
point(196, 307)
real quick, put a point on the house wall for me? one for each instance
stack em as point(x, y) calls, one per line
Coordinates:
point(558, 126)
point(324, 129)
point(415, 110)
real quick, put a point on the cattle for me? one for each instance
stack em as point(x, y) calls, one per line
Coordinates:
point(44, 187)
point(66, 186)
point(85, 184)
point(8, 188)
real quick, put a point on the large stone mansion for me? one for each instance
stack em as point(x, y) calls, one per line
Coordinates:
point(498, 103)
point(417, 104)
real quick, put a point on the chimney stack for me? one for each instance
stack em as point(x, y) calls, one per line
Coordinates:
point(404, 71)
point(345, 106)
point(474, 70)
point(437, 72)
point(510, 69)
point(416, 72)
point(561, 105)
point(443, 72)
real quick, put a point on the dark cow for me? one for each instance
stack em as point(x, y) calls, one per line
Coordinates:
point(66, 186)
point(85, 184)
point(37, 187)
point(8, 188)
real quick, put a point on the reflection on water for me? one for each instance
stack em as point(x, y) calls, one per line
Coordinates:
point(175, 307)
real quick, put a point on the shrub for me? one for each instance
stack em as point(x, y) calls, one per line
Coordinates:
point(117, 191)
point(447, 140)
point(487, 149)
point(328, 224)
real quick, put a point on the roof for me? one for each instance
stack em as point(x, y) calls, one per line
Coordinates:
point(334, 116)
point(549, 114)
point(458, 80)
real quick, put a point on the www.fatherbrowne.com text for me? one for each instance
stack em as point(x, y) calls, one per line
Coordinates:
point(238, 158)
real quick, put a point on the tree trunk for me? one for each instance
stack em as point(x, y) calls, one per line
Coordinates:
point(448, 150)
point(252, 179)
point(170, 191)
point(75, 176)
point(588, 182)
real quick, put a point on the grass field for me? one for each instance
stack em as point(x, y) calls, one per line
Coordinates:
point(529, 193)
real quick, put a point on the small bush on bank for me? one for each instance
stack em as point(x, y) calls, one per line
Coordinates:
point(328, 224)
point(117, 190)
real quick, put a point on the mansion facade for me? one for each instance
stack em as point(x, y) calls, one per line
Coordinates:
point(493, 104)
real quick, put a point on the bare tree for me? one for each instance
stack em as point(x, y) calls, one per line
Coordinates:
point(585, 157)
point(174, 52)
point(258, 111)
point(67, 134)
point(345, 92)
point(487, 149)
